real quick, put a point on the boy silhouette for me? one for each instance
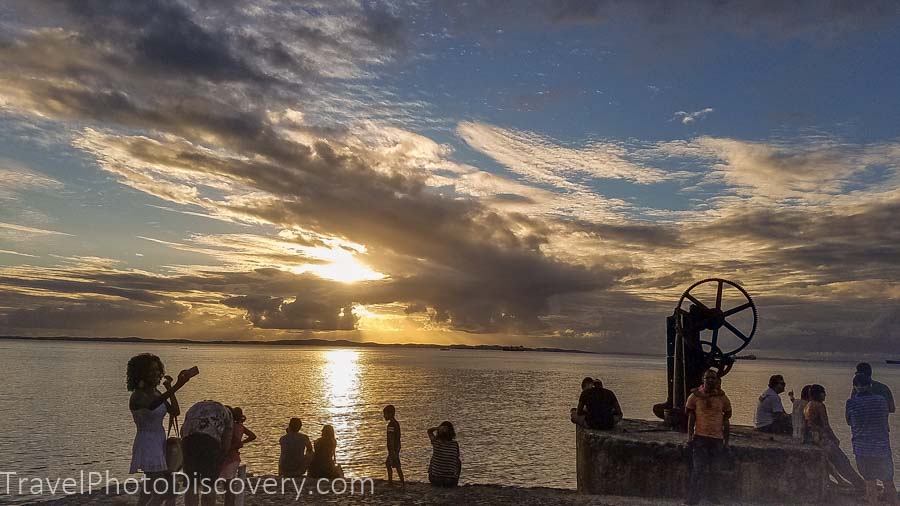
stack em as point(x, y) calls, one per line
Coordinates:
point(393, 445)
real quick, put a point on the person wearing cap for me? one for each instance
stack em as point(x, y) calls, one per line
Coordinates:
point(877, 387)
point(867, 415)
point(770, 416)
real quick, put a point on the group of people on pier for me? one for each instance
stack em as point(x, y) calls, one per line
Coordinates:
point(212, 435)
point(709, 411)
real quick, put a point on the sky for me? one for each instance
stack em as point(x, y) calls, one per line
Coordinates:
point(539, 172)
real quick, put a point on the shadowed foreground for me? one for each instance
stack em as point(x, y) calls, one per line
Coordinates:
point(422, 493)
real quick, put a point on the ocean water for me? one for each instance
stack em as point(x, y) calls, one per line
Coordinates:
point(65, 406)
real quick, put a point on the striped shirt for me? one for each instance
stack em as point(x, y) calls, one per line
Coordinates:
point(867, 415)
point(444, 459)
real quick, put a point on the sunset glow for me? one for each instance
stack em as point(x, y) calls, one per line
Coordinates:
point(481, 170)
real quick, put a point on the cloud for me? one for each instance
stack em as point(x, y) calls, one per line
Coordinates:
point(684, 24)
point(687, 118)
point(30, 230)
point(808, 170)
point(544, 161)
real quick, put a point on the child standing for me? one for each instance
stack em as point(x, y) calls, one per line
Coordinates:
point(393, 445)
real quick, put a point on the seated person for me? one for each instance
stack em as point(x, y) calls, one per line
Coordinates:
point(820, 434)
point(296, 451)
point(598, 407)
point(770, 416)
point(586, 383)
point(445, 465)
point(324, 461)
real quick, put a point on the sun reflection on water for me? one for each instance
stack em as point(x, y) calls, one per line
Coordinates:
point(342, 385)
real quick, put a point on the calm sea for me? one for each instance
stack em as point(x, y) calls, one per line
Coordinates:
point(65, 407)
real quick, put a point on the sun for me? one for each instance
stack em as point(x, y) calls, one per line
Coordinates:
point(340, 265)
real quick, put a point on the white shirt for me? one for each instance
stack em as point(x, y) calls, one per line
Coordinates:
point(207, 417)
point(769, 403)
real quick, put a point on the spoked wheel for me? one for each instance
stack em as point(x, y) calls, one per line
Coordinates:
point(711, 317)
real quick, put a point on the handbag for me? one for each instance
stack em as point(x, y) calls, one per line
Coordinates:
point(174, 450)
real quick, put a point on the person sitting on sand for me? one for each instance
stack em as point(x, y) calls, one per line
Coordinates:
point(599, 407)
point(233, 459)
point(770, 416)
point(324, 461)
point(296, 451)
point(709, 414)
point(445, 465)
point(148, 409)
point(821, 435)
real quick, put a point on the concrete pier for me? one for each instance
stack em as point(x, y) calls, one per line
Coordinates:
point(643, 458)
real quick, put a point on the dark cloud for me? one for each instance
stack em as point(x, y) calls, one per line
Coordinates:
point(659, 18)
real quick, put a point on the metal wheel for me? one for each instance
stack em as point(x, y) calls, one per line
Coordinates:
point(712, 317)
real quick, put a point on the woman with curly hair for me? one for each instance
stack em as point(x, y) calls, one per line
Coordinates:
point(148, 409)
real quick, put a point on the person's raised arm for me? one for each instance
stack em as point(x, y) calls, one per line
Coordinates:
point(173, 407)
point(432, 433)
point(251, 436)
point(151, 403)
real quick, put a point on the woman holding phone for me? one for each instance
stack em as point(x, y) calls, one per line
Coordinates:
point(148, 408)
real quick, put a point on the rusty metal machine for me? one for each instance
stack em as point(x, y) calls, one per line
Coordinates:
point(693, 343)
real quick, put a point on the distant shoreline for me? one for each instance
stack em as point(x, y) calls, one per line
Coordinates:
point(339, 343)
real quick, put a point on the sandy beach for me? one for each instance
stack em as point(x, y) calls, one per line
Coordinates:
point(423, 493)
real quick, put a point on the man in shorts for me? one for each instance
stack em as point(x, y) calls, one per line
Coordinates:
point(867, 415)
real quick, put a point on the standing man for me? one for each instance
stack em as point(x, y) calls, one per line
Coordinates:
point(867, 415)
point(878, 388)
point(770, 416)
point(709, 411)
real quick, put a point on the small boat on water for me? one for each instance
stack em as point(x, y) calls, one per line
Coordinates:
point(893, 361)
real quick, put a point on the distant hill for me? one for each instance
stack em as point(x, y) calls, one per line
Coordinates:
point(340, 343)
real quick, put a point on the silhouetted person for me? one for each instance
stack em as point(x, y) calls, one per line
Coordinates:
point(206, 433)
point(148, 409)
point(599, 407)
point(770, 415)
point(576, 417)
point(393, 445)
point(709, 413)
point(445, 466)
point(877, 387)
point(867, 415)
point(798, 420)
point(233, 459)
point(821, 435)
point(296, 451)
point(324, 461)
